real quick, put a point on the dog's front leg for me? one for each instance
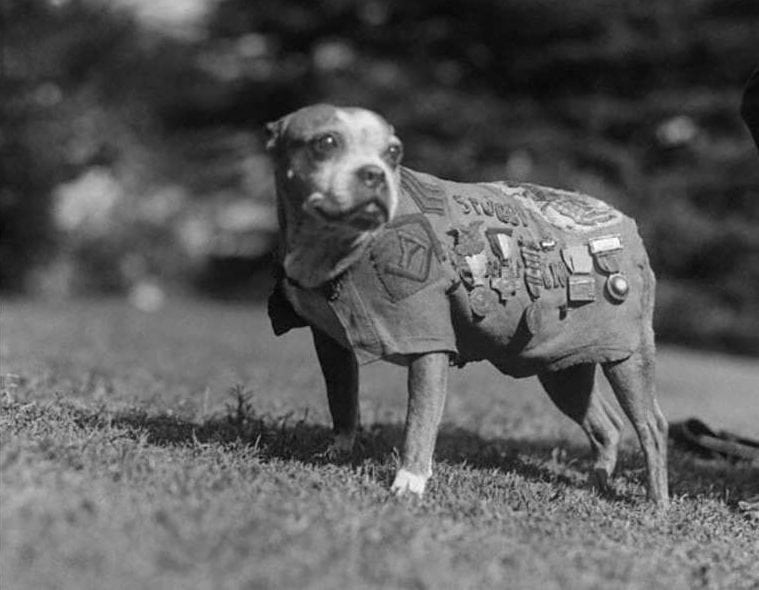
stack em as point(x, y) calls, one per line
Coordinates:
point(427, 387)
point(340, 370)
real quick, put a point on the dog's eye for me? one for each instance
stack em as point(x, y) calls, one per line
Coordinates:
point(323, 145)
point(394, 154)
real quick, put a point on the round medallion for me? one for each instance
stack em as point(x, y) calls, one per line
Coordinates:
point(617, 287)
point(533, 318)
point(482, 301)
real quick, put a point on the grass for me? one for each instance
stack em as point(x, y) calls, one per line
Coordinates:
point(181, 450)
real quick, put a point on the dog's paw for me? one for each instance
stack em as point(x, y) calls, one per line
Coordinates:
point(340, 447)
point(599, 479)
point(405, 481)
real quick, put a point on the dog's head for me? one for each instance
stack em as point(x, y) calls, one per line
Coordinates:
point(336, 167)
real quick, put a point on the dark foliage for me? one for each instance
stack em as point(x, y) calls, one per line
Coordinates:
point(636, 102)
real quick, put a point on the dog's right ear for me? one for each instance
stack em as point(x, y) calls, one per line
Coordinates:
point(275, 130)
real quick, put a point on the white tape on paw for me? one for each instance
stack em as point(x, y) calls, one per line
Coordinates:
point(405, 481)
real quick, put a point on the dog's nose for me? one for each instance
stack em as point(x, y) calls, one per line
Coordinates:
point(371, 176)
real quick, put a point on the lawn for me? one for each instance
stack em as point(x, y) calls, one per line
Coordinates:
point(181, 449)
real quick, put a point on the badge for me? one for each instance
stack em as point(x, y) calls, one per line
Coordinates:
point(604, 249)
point(468, 239)
point(533, 268)
point(513, 268)
point(494, 268)
point(617, 287)
point(558, 273)
point(582, 288)
point(500, 242)
point(603, 244)
point(533, 318)
point(548, 244)
point(482, 301)
point(607, 262)
point(577, 259)
point(478, 268)
point(545, 271)
point(534, 280)
point(504, 287)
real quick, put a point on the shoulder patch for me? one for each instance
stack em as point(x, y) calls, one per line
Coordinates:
point(572, 211)
point(565, 210)
point(407, 256)
point(429, 197)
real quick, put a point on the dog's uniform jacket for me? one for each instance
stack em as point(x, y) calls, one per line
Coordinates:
point(527, 277)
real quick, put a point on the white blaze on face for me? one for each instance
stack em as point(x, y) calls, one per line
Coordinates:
point(367, 137)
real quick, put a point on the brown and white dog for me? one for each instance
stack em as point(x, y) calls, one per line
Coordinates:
point(386, 263)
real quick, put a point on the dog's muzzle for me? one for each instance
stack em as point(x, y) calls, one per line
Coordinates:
point(364, 216)
point(370, 193)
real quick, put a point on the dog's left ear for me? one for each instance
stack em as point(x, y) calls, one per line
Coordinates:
point(274, 130)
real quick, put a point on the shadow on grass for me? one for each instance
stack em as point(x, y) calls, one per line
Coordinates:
point(292, 438)
point(295, 439)
point(550, 460)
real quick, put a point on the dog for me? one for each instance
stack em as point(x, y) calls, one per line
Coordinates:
point(383, 262)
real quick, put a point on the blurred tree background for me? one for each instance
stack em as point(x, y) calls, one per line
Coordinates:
point(131, 144)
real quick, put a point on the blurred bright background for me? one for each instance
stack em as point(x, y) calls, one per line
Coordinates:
point(132, 145)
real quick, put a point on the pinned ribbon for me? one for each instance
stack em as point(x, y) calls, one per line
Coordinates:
point(604, 249)
point(582, 288)
point(532, 255)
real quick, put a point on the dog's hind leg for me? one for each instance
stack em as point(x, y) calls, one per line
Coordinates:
point(633, 383)
point(575, 393)
point(340, 369)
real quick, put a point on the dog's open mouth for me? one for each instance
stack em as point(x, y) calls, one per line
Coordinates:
point(368, 215)
point(365, 216)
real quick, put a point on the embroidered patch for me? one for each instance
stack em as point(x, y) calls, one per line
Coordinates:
point(567, 210)
point(407, 256)
point(429, 197)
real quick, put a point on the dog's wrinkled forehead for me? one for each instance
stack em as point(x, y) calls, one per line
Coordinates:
point(357, 128)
